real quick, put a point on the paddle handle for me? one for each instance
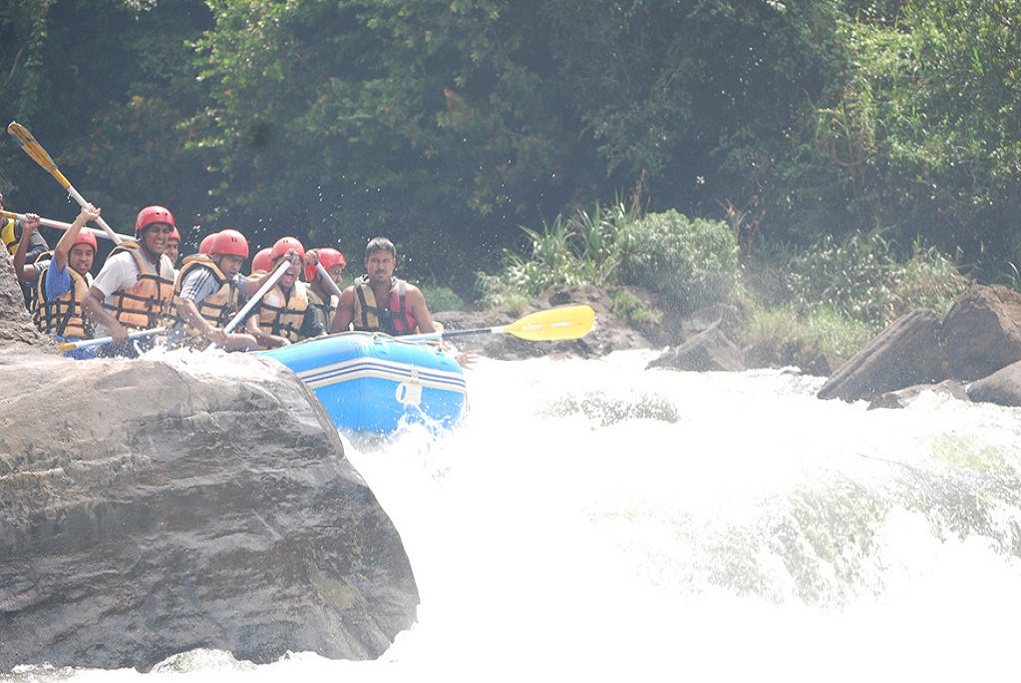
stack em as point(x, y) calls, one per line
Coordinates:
point(117, 239)
point(257, 297)
point(330, 284)
point(59, 224)
point(32, 148)
point(446, 334)
point(100, 341)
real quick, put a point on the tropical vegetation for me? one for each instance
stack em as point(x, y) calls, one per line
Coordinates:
point(867, 152)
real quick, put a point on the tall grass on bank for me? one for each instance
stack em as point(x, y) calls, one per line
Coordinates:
point(693, 262)
point(829, 299)
point(821, 331)
point(584, 248)
point(863, 280)
point(832, 299)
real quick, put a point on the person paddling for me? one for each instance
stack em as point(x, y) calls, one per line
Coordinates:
point(207, 296)
point(284, 315)
point(321, 296)
point(135, 287)
point(380, 302)
point(11, 232)
point(62, 283)
point(173, 250)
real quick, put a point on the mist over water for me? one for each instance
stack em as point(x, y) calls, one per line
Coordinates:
point(592, 519)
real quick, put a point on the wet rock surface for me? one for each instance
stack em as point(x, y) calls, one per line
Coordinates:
point(156, 506)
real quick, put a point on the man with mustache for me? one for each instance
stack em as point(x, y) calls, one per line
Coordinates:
point(380, 302)
point(208, 288)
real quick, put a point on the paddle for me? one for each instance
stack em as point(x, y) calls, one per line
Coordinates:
point(257, 297)
point(99, 341)
point(330, 284)
point(32, 148)
point(568, 322)
point(59, 224)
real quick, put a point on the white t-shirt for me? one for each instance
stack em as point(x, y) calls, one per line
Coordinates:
point(119, 272)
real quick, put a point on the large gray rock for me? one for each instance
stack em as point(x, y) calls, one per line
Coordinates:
point(16, 328)
point(982, 332)
point(707, 351)
point(1003, 387)
point(906, 353)
point(151, 507)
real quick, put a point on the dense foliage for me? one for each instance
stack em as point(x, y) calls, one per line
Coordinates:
point(448, 125)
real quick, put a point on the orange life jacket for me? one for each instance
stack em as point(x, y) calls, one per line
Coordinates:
point(284, 314)
point(143, 305)
point(63, 315)
point(218, 307)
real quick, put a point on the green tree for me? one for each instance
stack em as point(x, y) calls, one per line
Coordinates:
point(103, 85)
point(23, 88)
point(423, 120)
point(694, 100)
point(925, 135)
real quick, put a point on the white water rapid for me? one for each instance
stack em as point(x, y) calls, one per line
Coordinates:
point(593, 520)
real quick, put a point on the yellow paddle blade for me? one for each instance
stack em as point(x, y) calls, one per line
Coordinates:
point(32, 148)
point(569, 322)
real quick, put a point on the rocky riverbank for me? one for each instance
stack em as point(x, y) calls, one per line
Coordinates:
point(972, 353)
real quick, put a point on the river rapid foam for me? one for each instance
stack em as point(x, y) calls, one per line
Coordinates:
point(595, 519)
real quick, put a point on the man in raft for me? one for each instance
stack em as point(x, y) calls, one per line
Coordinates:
point(284, 315)
point(207, 296)
point(62, 281)
point(173, 250)
point(11, 230)
point(380, 302)
point(321, 292)
point(135, 287)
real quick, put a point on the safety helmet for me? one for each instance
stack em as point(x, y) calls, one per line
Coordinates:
point(262, 261)
point(229, 243)
point(207, 243)
point(329, 258)
point(285, 244)
point(86, 237)
point(153, 214)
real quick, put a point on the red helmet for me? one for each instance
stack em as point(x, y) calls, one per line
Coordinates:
point(86, 237)
point(150, 215)
point(329, 258)
point(285, 244)
point(175, 235)
point(207, 243)
point(262, 261)
point(229, 243)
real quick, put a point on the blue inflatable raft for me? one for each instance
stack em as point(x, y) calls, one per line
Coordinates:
point(371, 382)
